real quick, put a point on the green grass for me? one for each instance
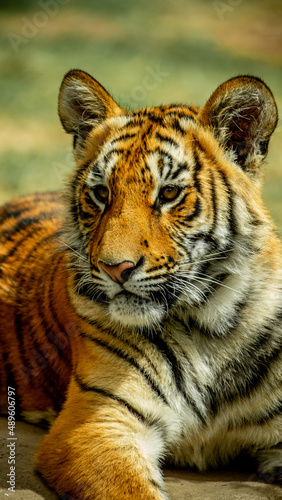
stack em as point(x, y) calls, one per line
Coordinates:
point(117, 41)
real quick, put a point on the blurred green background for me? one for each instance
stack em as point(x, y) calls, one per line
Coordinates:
point(144, 52)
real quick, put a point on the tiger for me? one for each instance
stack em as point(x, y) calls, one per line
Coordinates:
point(141, 307)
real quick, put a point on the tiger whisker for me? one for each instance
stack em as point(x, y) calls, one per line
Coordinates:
point(185, 288)
point(207, 278)
point(74, 251)
point(209, 258)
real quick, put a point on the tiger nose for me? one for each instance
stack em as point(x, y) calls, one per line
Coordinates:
point(118, 272)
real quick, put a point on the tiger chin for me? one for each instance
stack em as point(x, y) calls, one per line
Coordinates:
point(145, 303)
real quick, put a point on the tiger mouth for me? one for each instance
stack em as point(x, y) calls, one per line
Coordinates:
point(103, 298)
point(134, 310)
point(128, 308)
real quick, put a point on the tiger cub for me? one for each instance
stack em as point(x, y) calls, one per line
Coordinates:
point(145, 305)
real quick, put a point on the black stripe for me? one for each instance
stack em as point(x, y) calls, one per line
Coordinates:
point(96, 171)
point(27, 221)
point(275, 411)
point(18, 243)
point(135, 121)
point(73, 207)
point(177, 127)
point(156, 119)
point(21, 205)
point(197, 170)
point(214, 198)
point(87, 216)
point(182, 166)
point(196, 211)
point(148, 114)
point(94, 268)
point(19, 225)
point(45, 196)
point(178, 115)
point(162, 108)
point(129, 359)
point(78, 175)
point(125, 341)
point(9, 213)
point(87, 196)
point(19, 301)
point(103, 392)
point(160, 167)
point(243, 375)
point(123, 137)
point(177, 372)
point(259, 419)
point(194, 111)
point(112, 152)
point(167, 140)
point(187, 331)
point(166, 156)
point(44, 351)
point(231, 217)
point(51, 304)
point(147, 133)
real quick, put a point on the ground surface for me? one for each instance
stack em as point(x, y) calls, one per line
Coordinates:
point(181, 485)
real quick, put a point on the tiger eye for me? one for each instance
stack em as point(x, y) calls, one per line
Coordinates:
point(169, 193)
point(101, 193)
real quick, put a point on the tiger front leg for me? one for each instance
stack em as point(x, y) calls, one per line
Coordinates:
point(109, 455)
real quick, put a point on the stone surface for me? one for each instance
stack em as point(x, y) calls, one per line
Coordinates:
point(181, 484)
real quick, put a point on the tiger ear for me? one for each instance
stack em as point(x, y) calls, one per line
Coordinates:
point(242, 114)
point(83, 105)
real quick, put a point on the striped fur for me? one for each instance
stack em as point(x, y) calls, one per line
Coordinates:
point(146, 304)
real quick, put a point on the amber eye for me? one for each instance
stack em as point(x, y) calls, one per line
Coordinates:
point(168, 193)
point(101, 193)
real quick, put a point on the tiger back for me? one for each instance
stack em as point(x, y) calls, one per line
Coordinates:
point(35, 333)
point(145, 304)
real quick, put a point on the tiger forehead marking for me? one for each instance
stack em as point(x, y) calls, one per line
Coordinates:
point(144, 148)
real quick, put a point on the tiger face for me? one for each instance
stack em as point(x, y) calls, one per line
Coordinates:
point(157, 205)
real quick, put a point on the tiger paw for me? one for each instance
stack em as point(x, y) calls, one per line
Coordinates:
point(95, 461)
point(270, 464)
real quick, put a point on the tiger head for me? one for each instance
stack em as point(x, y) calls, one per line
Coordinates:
point(164, 204)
